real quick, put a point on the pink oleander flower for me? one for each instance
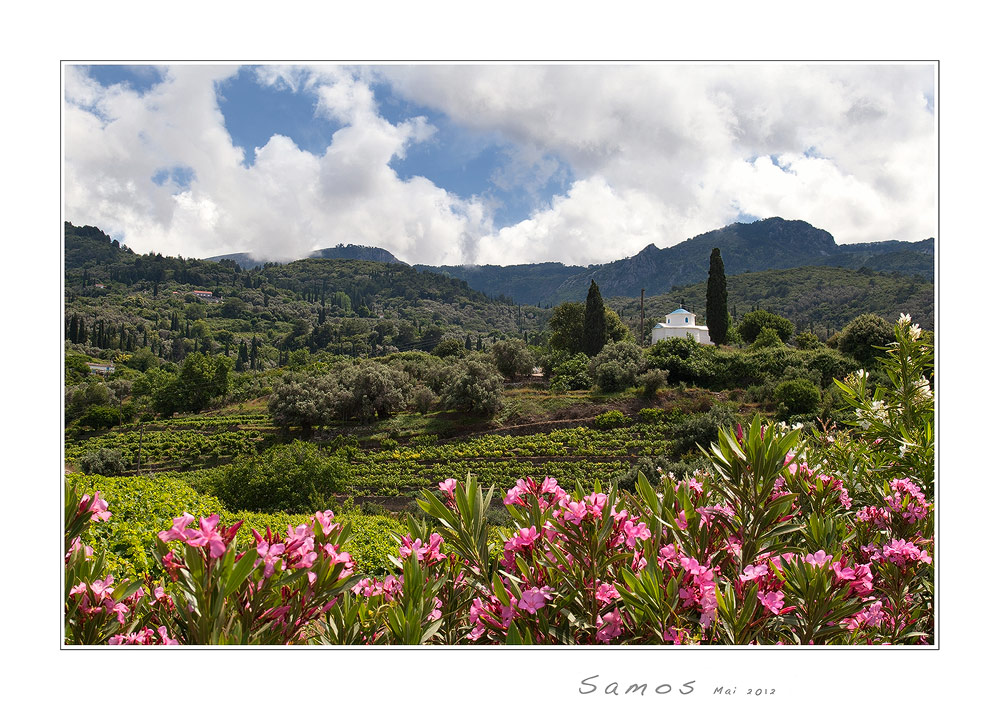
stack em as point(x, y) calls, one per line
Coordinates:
point(435, 613)
point(325, 520)
point(818, 559)
point(667, 553)
point(513, 497)
point(754, 571)
point(339, 557)
point(206, 535)
point(609, 626)
point(774, 601)
point(843, 572)
point(595, 503)
point(409, 546)
point(270, 554)
point(102, 588)
point(635, 532)
point(550, 486)
point(534, 598)
point(682, 521)
point(525, 537)
point(177, 532)
point(871, 616)
point(97, 507)
point(75, 545)
point(900, 552)
point(575, 512)
point(606, 593)
point(165, 638)
point(448, 488)
point(674, 636)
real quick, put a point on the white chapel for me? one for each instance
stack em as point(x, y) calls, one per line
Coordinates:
point(680, 323)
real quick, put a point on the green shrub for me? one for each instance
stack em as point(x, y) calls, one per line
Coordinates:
point(651, 382)
point(617, 366)
point(797, 397)
point(651, 415)
point(102, 462)
point(864, 337)
point(702, 429)
point(476, 387)
point(609, 420)
point(766, 338)
point(572, 373)
point(295, 477)
point(753, 321)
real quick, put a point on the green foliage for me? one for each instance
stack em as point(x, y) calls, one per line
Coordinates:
point(699, 431)
point(617, 365)
point(753, 321)
point(200, 380)
point(767, 337)
point(452, 348)
point(595, 326)
point(651, 415)
point(797, 397)
point(865, 337)
point(307, 401)
point(610, 420)
point(102, 462)
point(423, 399)
point(571, 373)
point(820, 299)
point(566, 324)
point(651, 381)
point(475, 387)
point(716, 300)
point(293, 478)
point(512, 358)
point(807, 340)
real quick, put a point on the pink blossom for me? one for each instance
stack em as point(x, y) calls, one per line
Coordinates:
point(325, 520)
point(609, 626)
point(754, 571)
point(534, 598)
point(97, 507)
point(575, 512)
point(606, 593)
point(595, 503)
point(668, 552)
point(206, 535)
point(818, 559)
point(448, 487)
point(526, 537)
point(773, 600)
point(337, 557)
point(177, 532)
point(635, 532)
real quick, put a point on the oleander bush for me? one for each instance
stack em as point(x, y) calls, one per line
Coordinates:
point(791, 537)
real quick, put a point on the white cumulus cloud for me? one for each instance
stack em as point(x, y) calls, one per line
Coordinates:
point(656, 154)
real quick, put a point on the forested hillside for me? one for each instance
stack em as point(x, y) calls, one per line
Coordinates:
point(116, 299)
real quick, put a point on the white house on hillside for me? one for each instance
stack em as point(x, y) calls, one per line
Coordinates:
point(680, 323)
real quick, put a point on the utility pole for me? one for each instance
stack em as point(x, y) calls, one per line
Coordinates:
point(138, 457)
point(642, 316)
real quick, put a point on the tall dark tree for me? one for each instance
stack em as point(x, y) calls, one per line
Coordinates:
point(716, 302)
point(595, 325)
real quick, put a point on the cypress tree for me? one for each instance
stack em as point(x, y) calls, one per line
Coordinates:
point(716, 301)
point(595, 326)
point(242, 358)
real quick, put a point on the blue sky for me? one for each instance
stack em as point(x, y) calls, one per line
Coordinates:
point(494, 164)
